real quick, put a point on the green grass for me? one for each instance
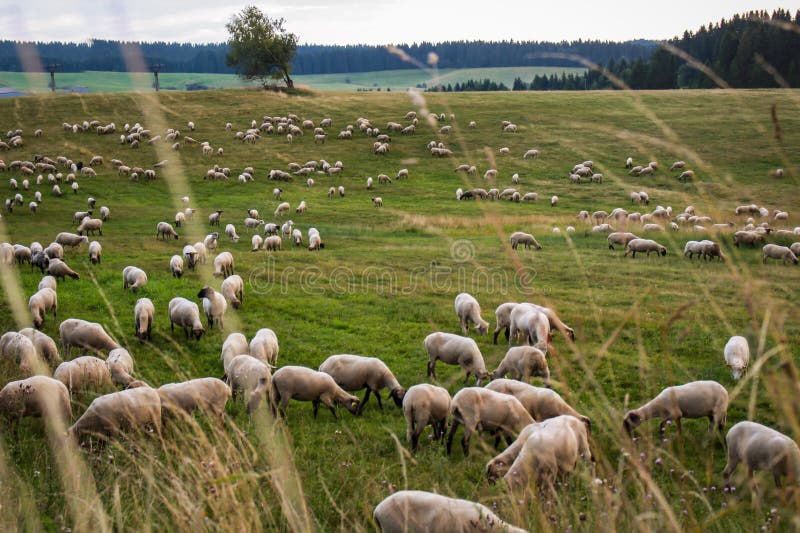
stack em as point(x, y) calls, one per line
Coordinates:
point(387, 278)
point(396, 80)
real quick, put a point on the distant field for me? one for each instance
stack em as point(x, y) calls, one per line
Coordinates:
point(113, 82)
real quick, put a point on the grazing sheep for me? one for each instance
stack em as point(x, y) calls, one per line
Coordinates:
point(532, 322)
point(531, 154)
point(250, 376)
point(185, 314)
point(40, 303)
point(133, 278)
point(305, 384)
point(264, 346)
point(164, 230)
point(59, 269)
point(541, 403)
point(377, 201)
point(425, 404)
point(762, 448)
point(235, 344)
point(273, 243)
point(207, 395)
point(21, 350)
point(737, 356)
point(45, 347)
point(783, 253)
point(282, 208)
point(190, 254)
point(554, 201)
point(693, 400)
point(143, 313)
point(233, 290)
point(176, 266)
point(214, 218)
point(209, 243)
point(214, 306)
point(223, 265)
point(416, 510)
point(479, 410)
point(747, 237)
point(95, 252)
point(522, 362)
point(38, 396)
point(455, 350)
point(528, 240)
point(620, 238)
point(642, 246)
point(297, 237)
point(70, 239)
point(230, 231)
point(85, 373)
point(469, 310)
point(82, 334)
point(503, 319)
point(120, 366)
point(130, 409)
point(355, 372)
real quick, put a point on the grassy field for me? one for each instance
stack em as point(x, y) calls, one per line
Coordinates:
point(396, 80)
point(387, 278)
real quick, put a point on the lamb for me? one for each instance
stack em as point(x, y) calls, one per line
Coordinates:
point(455, 350)
point(82, 334)
point(469, 310)
point(40, 303)
point(143, 313)
point(233, 290)
point(774, 251)
point(39, 396)
point(693, 400)
point(120, 366)
point(214, 306)
point(530, 320)
point(519, 237)
point(230, 231)
point(176, 266)
point(21, 350)
point(223, 265)
point(522, 362)
point(377, 201)
point(737, 356)
point(133, 278)
point(208, 395)
point(185, 314)
point(416, 510)
point(355, 372)
point(305, 384)
point(425, 404)
point(644, 245)
point(190, 253)
point(762, 448)
point(108, 415)
point(164, 230)
point(540, 402)
point(479, 410)
point(95, 252)
point(45, 347)
point(70, 239)
point(85, 373)
point(264, 346)
point(620, 238)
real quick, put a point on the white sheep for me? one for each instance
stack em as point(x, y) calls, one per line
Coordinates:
point(424, 405)
point(70, 239)
point(82, 334)
point(40, 303)
point(214, 306)
point(120, 366)
point(250, 376)
point(264, 346)
point(469, 310)
point(529, 320)
point(95, 252)
point(165, 230)
point(455, 350)
point(480, 410)
point(185, 314)
point(207, 395)
point(522, 362)
point(619, 238)
point(230, 231)
point(305, 384)
point(644, 246)
point(696, 399)
point(131, 409)
point(774, 251)
point(415, 510)
point(214, 218)
point(223, 265)
point(553, 201)
point(235, 344)
point(38, 396)
point(526, 239)
point(541, 403)
point(355, 372)
point(85, 373)
point(133, 278)
point(762, 448)
point(45, 347)
point(282, 208)
point(21, 350)
point(737, 356)
point(143, 313)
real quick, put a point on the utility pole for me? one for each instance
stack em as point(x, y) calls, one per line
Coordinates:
point(156, 68)
point(51, 68)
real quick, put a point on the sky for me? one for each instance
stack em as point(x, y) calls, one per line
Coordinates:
point(370, 21)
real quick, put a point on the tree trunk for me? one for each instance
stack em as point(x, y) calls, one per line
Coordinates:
point(289, 80)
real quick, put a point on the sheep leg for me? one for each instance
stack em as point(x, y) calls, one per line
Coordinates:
point(432, 368)
point(378, 397)
point(453, 428)
point(776, 476)
point(465, 441)
point(315, 403)
point(364, 401)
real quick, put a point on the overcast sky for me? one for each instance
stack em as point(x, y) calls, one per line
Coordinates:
point(370, 21)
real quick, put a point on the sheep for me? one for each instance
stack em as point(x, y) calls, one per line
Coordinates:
point(95, 252)
point(85, 373)
point(528, 240)
point(214, 306)
point(133, 278)
point(223, 265)
point(250, 376)
point(59, 269)
point(773, 251)
point(479, 410)
point(469, 310)
point(455, 350)
point(80, 215)
point(45, 347)
point(737, 356)
point(522, 362)
point(762, 448)
point(795, 248)
point(209, 243)
point(503, 319)
point(108, 415)
point(541, 403)
point(305, 384)
point(164, 230)
point(82, 334)
point(143, 313)
point(214, 218)
point(554, 201)
point(208, 395)
point(38, 396)
point(693, 400)
point(415, 510)
point(425, 404)
point(686, 174)
point(341, 191)
point(235, 344)
point(747, 237)
point(644, 245)
point(314, 242)
point(230, 231)
point(185, 314)
point(677, 165)
point(70, 239)
point(377, 201)
point(355, 372)
point(21, 350)
point(40, 303)
point(297, 237)
point(620, 238)
point(282, 208)
point(190, 254)
point(551, 449)
point(273, 243)
point(530, 320)
point(264, 346)
point(654, 227)
point(120, 366)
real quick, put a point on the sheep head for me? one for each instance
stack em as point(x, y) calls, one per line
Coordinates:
point(632, 420)
point(397, 395)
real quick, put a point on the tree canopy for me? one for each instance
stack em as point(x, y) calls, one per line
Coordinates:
point(260, 48)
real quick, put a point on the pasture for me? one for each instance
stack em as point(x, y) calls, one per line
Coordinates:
point(387, 277)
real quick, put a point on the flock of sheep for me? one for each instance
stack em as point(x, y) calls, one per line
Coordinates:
point(546, 436)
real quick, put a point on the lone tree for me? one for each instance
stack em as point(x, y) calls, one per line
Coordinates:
point(259, 48)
